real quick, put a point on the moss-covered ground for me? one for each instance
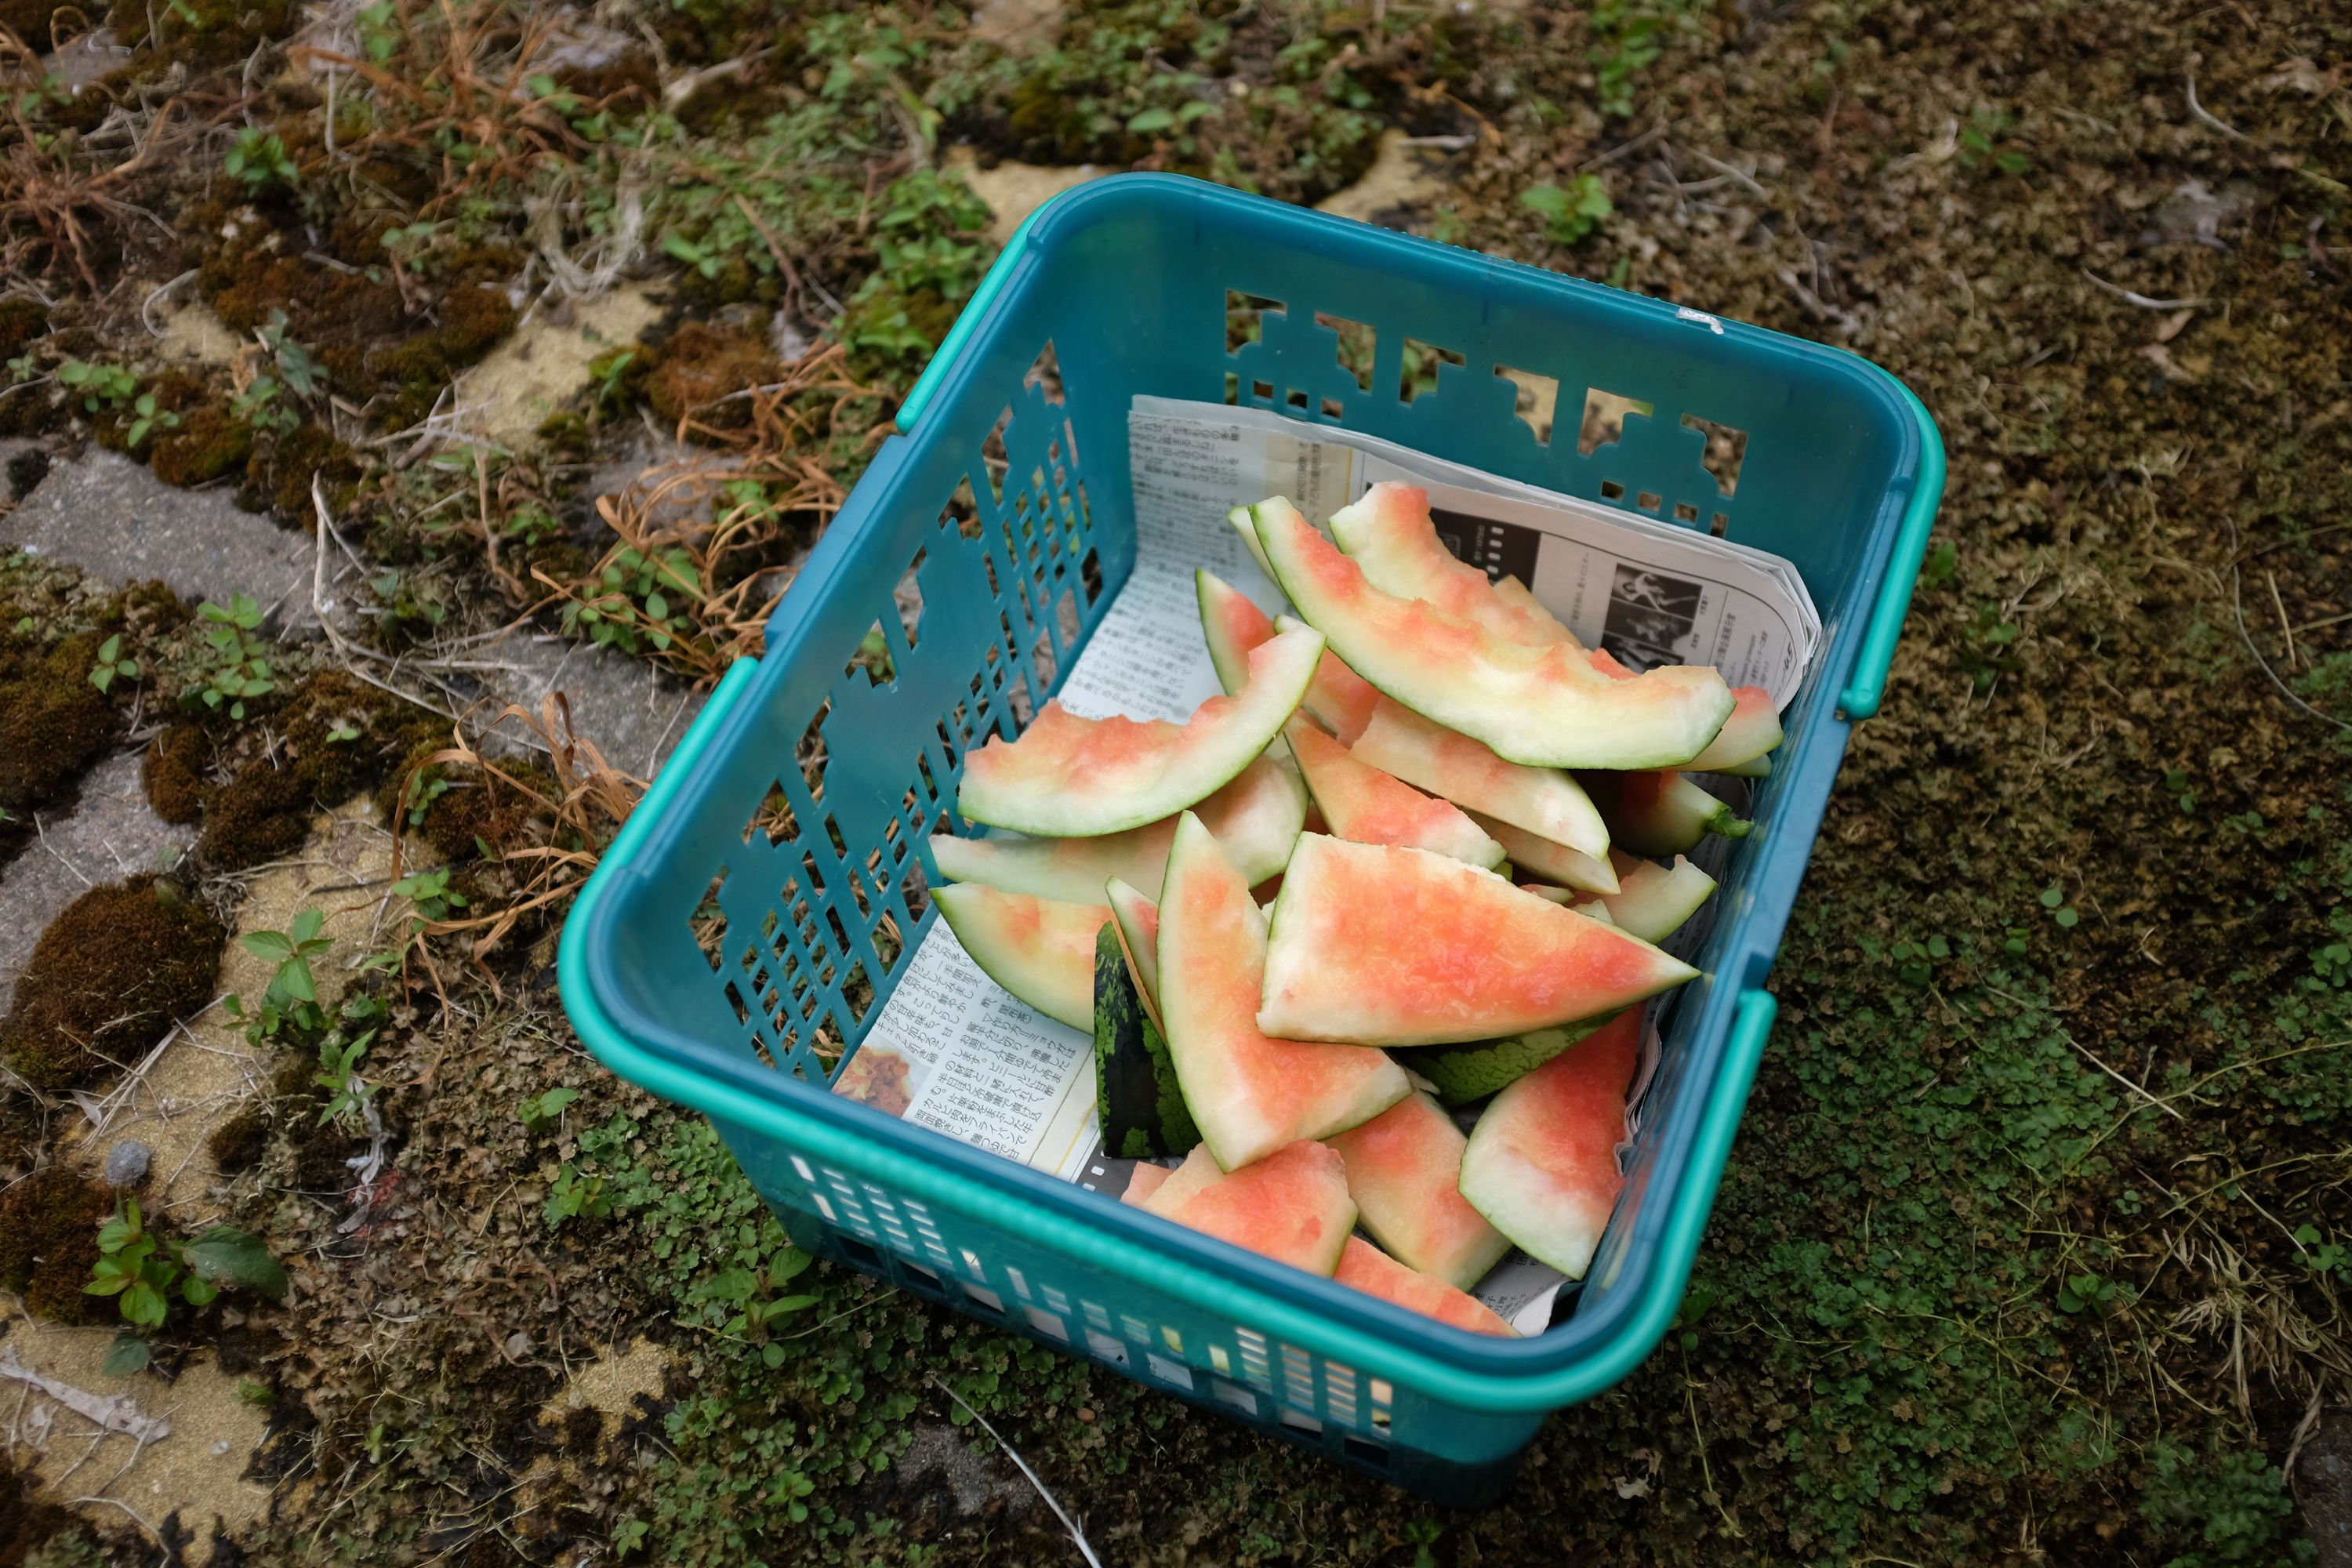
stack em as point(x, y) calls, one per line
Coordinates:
point(2034, 1245)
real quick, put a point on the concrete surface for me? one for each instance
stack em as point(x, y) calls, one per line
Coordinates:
point(110, 833)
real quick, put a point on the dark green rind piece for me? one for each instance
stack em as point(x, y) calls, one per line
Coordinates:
point(1136, 1094)
point(1470, 1072)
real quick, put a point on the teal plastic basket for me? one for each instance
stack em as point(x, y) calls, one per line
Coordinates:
point(1129, 280)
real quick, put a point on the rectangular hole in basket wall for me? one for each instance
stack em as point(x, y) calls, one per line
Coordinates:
point(1720, 524)
point(1537, 400)
point(909, 596)
point(1611, 490)
point(986, 1300)
point(922, 1278)
point(1365, 1452)
point(735, 1000)
point(1418, 377)
point(1605, 414)
point(961, 513)
point(874, 657)
point(1648, 501)
point(1232, 388)
point(857, 992)
point(1263, 391)
point(1297, 398)
point(1333, 411)
point(858, 1252)
point(993, 462)
point(1299, 1420)
point(1091, 576)
point(1044, 373)
point(773, 820)
point(1041, 660)
point(1244, 317)
point(1355, 349)
point(1046, 1323)
point(811, 753)
point(709, 925)
point(1727, 450)
point(1685, 512)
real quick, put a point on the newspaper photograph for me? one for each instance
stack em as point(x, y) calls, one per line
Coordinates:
point(952, 1051)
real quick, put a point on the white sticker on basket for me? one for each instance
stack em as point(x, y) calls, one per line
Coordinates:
point(955, 1052)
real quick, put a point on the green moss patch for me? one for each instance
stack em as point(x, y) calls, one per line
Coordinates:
point(48, 1240)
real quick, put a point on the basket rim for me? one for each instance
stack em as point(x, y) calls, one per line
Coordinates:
point(1596, 1348)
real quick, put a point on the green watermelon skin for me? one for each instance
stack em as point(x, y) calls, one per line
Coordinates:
point(1657, 812)
point(1136, 1094)
point(1466, 1074)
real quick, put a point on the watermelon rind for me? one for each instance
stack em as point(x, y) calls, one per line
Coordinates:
point(1404, 1170)
point(1256, 818)
point(1140, 1108)
point(1246, 526)
point(1739, 747)
point(1363, 1267)
point(1136, 918)
point(1541, 1163)
point(1544, 707)
point(1041, 950)
point(1473, 775)
point(1362, 801)
point(1387, 946)
point(1660, 813)
point(1249, 1092)
point(1553, 861)
point(1466, 1073)
point(1653, 902)
point(1200, 1168)
point(1388, 532)
point(1292, 1206)
point(1069, 777)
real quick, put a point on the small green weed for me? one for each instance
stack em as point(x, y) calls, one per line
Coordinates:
point(258, 158)
point(632, 609)
point(1981, 143)
point(1572, 213)
point(240, 667)
point(147, 417)
point(143, 1273)
point(292, 998)
point(111, 665)
point(102, 387)
point(541, 1111)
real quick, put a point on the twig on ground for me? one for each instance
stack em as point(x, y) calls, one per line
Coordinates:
point(2198, 110)
point(1077, 1535)
point(118, 1413)
point(2237, 614)
point(2142, 300)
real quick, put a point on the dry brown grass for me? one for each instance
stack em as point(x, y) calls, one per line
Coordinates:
point(740, 512)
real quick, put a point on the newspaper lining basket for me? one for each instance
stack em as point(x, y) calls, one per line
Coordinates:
point(1006, 494)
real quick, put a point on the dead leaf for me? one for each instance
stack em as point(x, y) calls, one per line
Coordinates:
point(2169, 328)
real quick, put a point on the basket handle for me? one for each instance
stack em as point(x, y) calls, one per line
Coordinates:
point(1861, 698)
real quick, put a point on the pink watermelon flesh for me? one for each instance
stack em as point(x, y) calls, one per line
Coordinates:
point(1136, 920)
point(1401, 947)
point(1543, 801)
point(1199, 1169)
point(1292, 1206)
point(1541, 1165)
point(1073, 778)
point(1553, 861)
point(1544, 707)
point(1659, 812)
point(1404, 745)
point(1651, 900)
point(1144, 1181)
point(1387, 533)
point(1739, 747)
point(1256, 818)
point(1359, 802)
point(1233, 627)
point(1363, 1267)
point(1404, 1171)
point(1250, 1091)
point(1753, 729)
point(1041, 950)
